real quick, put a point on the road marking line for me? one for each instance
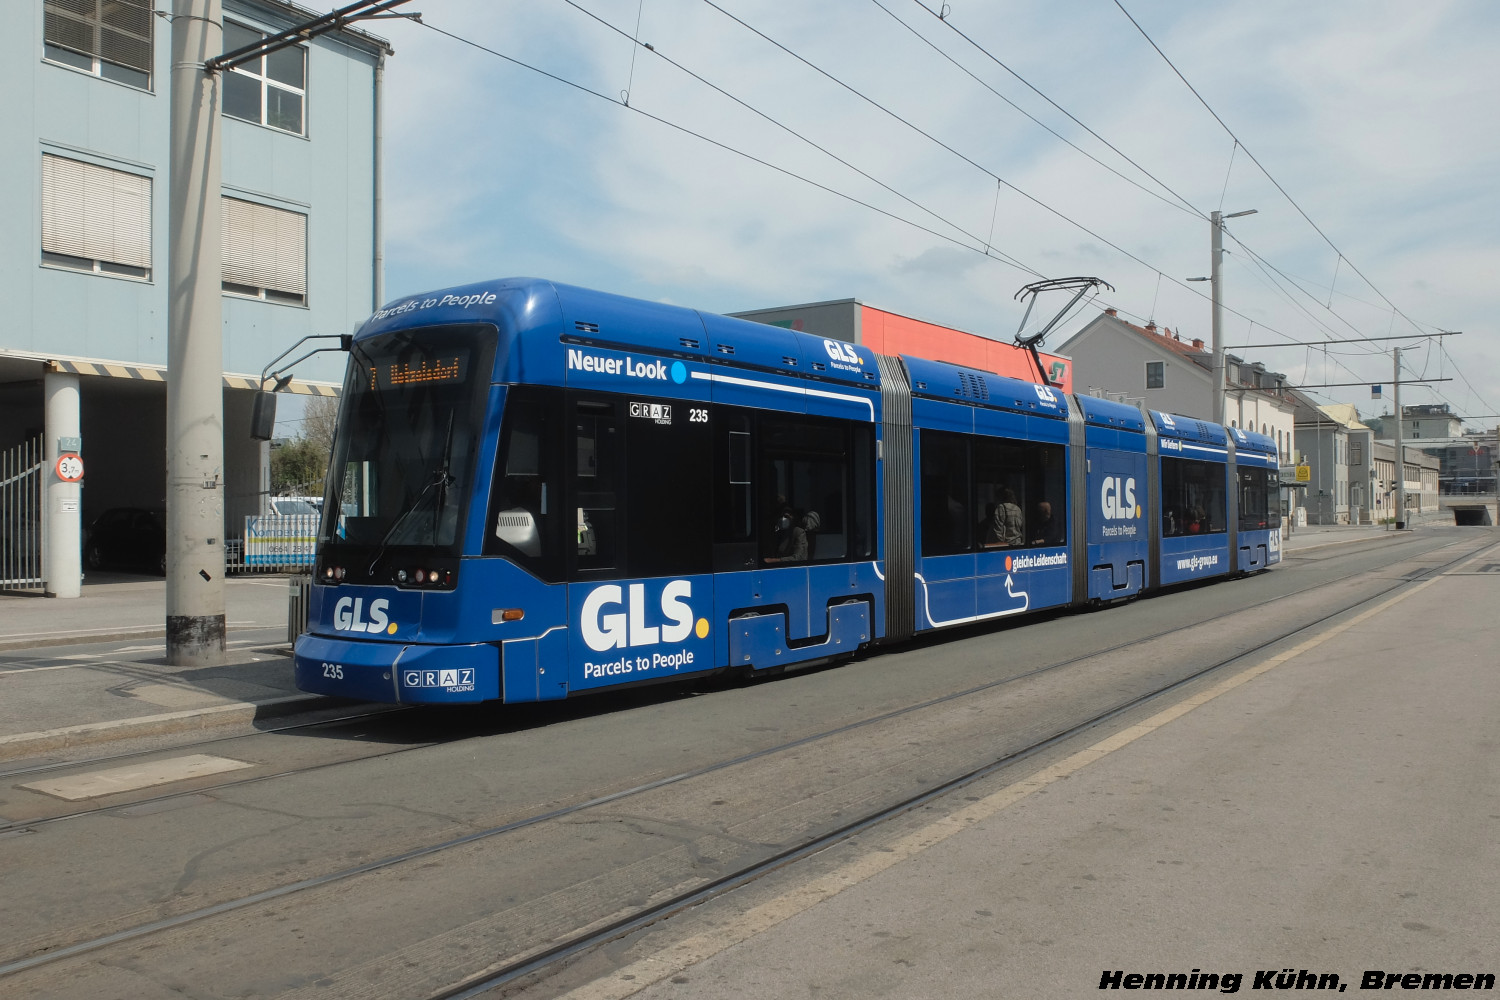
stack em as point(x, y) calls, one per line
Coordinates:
point(135, 776)
point(680, 956)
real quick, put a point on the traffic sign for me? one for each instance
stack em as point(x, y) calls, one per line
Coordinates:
point(69, 468)
point(1304, 473)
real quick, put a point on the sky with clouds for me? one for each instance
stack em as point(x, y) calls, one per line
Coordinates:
point(896, 148)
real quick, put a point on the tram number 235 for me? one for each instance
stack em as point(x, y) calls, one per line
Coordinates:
point(697, 415)
point(333, 670)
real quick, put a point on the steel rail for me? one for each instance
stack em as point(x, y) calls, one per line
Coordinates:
point(533, 963)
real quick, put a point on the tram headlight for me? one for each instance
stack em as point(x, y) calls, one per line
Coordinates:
point(421, 576)
point(400, 576)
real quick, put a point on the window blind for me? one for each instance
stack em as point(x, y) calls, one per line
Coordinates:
point(115, 30)
point(264, 247)
point(95, 213)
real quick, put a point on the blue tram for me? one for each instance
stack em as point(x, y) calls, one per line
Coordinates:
point(538, 490)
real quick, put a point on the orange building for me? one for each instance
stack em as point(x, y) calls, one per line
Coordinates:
point(890, 333)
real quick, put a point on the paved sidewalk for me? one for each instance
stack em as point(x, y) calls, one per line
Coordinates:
point(92, 669)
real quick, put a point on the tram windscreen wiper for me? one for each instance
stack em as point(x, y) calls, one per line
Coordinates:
point(440, 481)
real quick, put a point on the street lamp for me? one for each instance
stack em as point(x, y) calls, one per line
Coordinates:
point(1216, 244)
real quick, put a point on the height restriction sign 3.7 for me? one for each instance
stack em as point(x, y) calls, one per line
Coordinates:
point(69, 468)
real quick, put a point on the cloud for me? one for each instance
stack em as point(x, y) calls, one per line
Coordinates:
point(1368, 114)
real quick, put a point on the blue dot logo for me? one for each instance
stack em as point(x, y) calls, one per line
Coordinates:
point(679, 372)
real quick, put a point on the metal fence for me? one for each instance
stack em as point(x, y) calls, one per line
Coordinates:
point(274, 543)
point(299, 592)
point(22, 521)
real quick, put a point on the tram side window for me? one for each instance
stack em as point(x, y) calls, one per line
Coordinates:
point(1020, 489)
point(526, 503)
point(813, 509)
point(981, 493)
point(1193, 498)
point(1260, 504)
point(597, 448)
point(947, 518)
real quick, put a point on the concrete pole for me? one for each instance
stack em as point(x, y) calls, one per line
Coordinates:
point(1400, 449)
point(195, 362)
point(64, 565)
point(1216, 242)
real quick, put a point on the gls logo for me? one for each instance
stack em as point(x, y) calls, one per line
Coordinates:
point(628, 628)
point(1118, 499)
point(838, 350)
point(1045, 394)
point(347, 617)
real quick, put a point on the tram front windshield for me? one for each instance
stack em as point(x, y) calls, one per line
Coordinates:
point(403, 457)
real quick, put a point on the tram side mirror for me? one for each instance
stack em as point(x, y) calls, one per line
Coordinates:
point(263, 415)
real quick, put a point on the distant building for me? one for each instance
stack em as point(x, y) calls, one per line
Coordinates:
point(891, 333)
point(1154, 366)
point(83, 258)
point(1420, 475)
point(1338, 450)
point(1430, 420)
point(1420, 422)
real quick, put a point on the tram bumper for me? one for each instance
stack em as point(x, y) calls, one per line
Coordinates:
point(397, 672)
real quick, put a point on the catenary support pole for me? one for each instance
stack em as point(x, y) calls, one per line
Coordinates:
point(1400, 448)
point(195, 394)
point(1216, 244)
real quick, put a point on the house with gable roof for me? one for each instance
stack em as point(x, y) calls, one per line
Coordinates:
point(1166, 371)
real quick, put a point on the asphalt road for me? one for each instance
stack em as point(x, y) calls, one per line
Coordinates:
point(402, 854)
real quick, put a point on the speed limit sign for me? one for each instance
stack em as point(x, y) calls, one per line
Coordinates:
point(69, 468)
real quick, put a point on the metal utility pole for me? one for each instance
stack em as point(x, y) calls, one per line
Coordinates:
point(1216, 243)
point(1400, 449)
point(195, 352)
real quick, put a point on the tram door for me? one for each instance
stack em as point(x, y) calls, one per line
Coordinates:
point(640, 516)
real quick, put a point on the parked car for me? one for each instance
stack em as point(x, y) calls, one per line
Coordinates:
point(127, 538)
point(292, 506)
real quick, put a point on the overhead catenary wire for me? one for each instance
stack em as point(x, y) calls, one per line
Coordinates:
point(1268, 175)
point(798, 135)
point(1237, 145)
point(978, 166)
point(948, 23)
point(806, 180)
point(981, 246)
point(715, 142)
point(1183, 207)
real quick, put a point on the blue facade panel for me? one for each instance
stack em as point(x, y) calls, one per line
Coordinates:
point(328, 174)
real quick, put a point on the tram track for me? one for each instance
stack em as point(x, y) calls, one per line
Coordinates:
point(200, 788)
point(532, 964)
point(64, 765)
point(535, 966)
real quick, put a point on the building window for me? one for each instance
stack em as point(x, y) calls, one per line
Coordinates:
point(1356, 453)
point(269, 90)
point(108, 38)
point(265, 252)
point(1156, 374)
point(95, 219)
